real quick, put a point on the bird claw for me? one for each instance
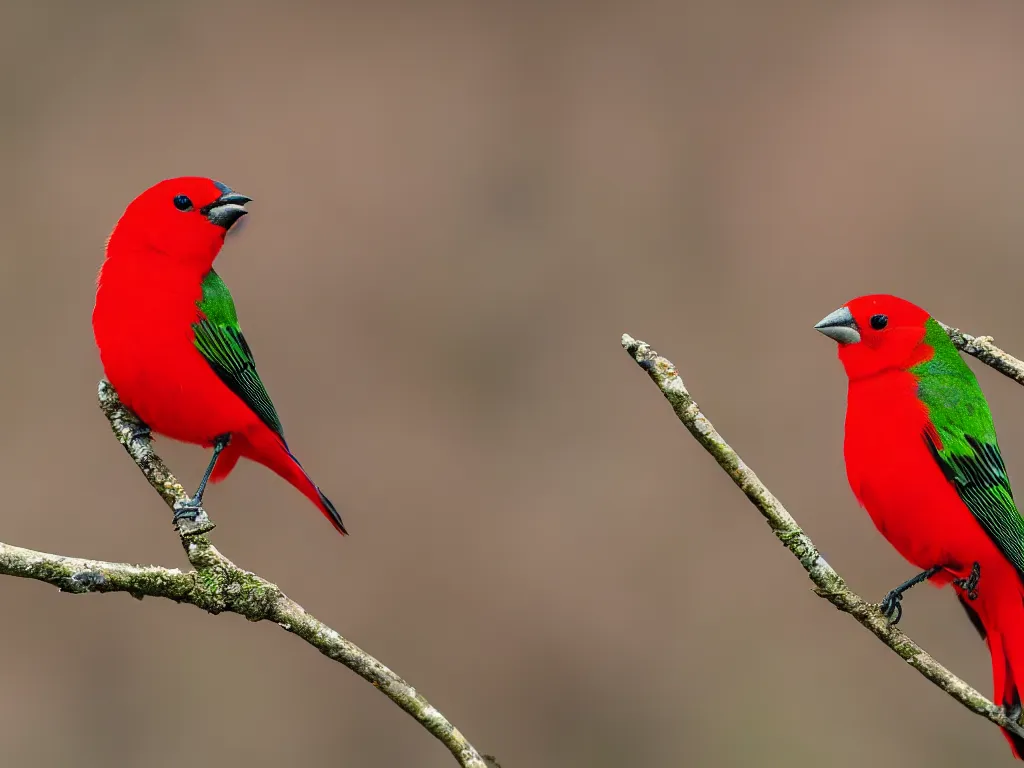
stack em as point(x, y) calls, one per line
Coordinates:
point(139, 431)
point(190, 518)
point(186, 510)
point(970, 584)
point(892, 606)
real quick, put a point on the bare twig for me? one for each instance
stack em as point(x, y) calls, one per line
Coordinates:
point(827, 582)
point(217, 585)
point(982, 348)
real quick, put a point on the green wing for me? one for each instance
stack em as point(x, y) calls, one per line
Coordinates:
point(219, 339)
point(980, 479)
point(969, 455)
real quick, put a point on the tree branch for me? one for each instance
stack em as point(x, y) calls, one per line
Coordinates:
point(218, 585)
point(827, 582)
point(982, 348)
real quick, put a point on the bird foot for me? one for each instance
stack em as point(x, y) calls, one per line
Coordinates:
point(186, 510)
point(892, 606)
point(139, 431)
point(970, 584)
point(190, 518)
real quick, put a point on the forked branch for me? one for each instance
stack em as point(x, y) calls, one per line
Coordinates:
point(827, 583)
point(217, 585)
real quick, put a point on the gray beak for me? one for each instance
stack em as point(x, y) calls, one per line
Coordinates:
point(226, 209)
point(840, 326)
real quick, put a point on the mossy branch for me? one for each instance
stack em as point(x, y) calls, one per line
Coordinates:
point(217, 585)
point(827, 582)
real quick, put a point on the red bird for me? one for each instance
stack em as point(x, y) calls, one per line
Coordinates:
point(923, 460)
point(184, 367)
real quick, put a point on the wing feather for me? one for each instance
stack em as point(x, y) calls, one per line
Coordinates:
point(979, 476)
point(219, 339)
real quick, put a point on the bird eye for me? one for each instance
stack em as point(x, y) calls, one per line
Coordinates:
point(878, 322)
point(182, 203)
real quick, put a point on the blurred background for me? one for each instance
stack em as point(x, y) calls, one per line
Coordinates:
point(458, 208)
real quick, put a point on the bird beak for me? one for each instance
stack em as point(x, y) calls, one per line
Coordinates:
point(840, 326)
point(226, 209)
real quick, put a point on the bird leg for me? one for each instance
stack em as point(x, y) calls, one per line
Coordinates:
point(970, 584)
point(188, 509)
point(891, 605)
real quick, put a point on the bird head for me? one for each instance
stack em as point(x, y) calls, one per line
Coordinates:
point(184, 219)
point(876, 333)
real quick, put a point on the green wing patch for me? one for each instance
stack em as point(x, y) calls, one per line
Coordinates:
point(219, 339)
point(227, 352)
point(961, 423)
point(981, 481)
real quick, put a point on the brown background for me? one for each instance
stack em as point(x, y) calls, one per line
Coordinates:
point(458, 210)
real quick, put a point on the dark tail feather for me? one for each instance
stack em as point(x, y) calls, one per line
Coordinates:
point(329, 511)
point(310, 488)
point(269, 450)
point(973, 616)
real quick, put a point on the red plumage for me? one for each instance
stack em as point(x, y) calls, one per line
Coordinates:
point(913, 505)
point(147, 302)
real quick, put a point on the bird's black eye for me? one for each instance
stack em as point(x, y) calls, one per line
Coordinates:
point(878, 322)
point(182, 203)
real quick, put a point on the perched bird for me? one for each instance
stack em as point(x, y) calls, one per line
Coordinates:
point(923, 460)
point(169, 338)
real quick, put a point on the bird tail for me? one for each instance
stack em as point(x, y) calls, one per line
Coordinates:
point(999, 618)
point(271, 452)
